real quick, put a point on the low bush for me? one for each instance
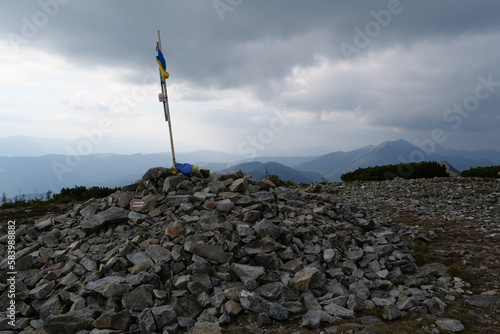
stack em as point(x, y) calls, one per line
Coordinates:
point(412, 170)
point(67, 195)
point(491, 171)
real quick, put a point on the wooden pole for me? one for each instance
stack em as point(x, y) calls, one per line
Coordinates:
point(166, 107)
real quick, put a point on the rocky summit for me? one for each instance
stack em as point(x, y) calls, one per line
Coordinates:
point(177, 254)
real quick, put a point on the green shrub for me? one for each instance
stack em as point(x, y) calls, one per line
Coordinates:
point(491, 171)
point(67, 195)
point(412, 170)
point(81, 193)
point(279, 182)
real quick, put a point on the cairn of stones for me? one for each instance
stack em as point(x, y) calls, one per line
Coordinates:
point(176, 254)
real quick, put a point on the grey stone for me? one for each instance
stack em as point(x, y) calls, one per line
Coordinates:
point(187, 322)
point(142, 278)
point(209, 204)
point(174, 201)
point(156, 173)
point(360, 290)
point(139, 298)
point(171, 183)
point(340, 300)
point(338, 289)
point(114, 320)
point(249, 283)
point(122, 198)
point(239, 185)
point(450, 325)
point(311, 302)
point(382, 302)
point(216, 187)
point(260, 305)
point(174, 229)
point(355, 303)
point(242, 271)
point(42, 291)
point(36, 324)
point(225, 205)
point(263, 196)
point(232, 308)
point(186, 306)
point(69, 323)
point(270, 291)
point(293, 265)
point(137, 217)
point(78, 305)
point(113, 215)
point(147, 321)
point(251, 216)
point(232, 293)
point(339, 311)
point(88, 208)
point(312, 319)
point(204, 299)
point(306, 278)
point(391, 313)
point(199, 283)
point(211, 252)
point(144, 204)
point(483, 300)
point(111, 286)
point(235, 174)
point(164, 315)
point(182, 281)
point(355, 255)
point(267, 260)
point(139, 257)
point(435, 306)
point(264, 245)
point(263, 319)
point(265, 184)
point(88, 264)
point(329, 255)
point(407, 303)
point(46, 308)
point(158, 253)
point(244, 230)
point(219, 297)
point(24, 263)
point(267, 228)
point(50, 241)
point(43, 224)
point(278, 311)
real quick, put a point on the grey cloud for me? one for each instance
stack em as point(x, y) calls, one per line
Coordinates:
point(439, 49)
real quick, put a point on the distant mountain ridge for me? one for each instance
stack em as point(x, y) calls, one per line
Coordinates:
point(258, 171)
point(325, 164)
point(24, 175)
point(388, 153)
point(25, 146)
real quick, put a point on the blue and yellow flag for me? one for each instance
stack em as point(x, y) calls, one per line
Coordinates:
point(161, 62)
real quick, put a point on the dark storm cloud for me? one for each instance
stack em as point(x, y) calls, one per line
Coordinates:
point(254, 38)
point(393, 63)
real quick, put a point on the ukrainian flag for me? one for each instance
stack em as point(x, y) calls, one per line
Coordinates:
point(161, 62)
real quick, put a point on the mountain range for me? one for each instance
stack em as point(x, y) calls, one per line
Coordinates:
point(29, 175)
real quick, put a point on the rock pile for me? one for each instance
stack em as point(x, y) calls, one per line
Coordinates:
point(466, 200)
point(171, 254)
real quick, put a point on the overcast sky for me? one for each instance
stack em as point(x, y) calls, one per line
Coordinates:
point(254, 77)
